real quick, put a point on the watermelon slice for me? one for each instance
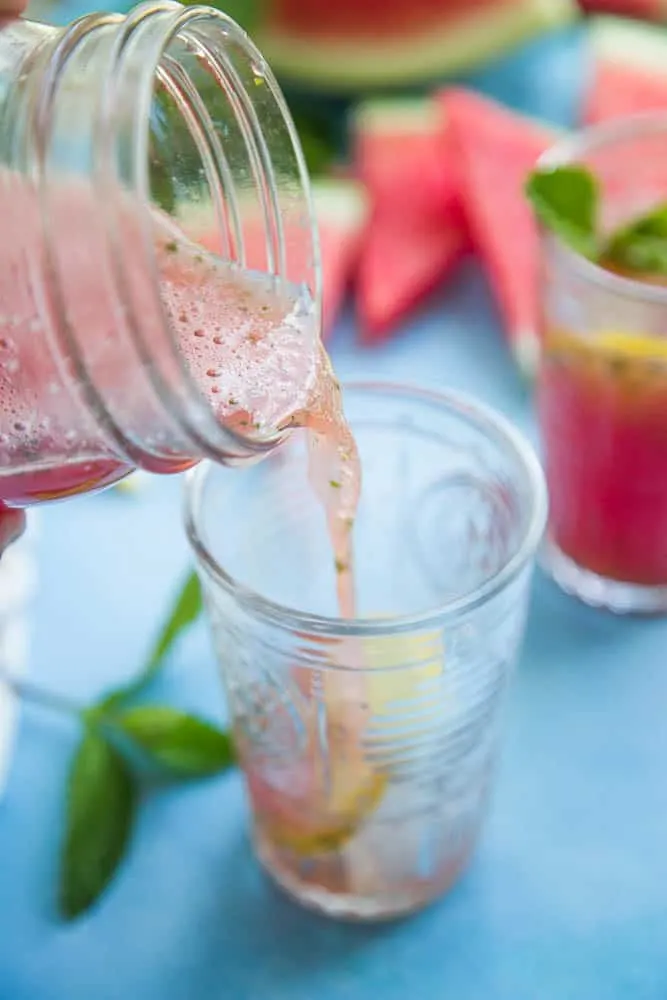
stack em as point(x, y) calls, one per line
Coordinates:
point(629, 70)
point(416, 233)
point(497, 148)
point(341, 208)
point(355, 44)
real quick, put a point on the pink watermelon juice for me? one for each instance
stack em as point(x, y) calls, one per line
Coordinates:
point(251, 348)
point(603, 409)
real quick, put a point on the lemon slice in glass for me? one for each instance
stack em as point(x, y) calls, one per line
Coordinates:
point(631, 346)
point(341, 779)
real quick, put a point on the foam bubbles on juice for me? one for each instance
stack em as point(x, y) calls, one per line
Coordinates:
point(247, 341)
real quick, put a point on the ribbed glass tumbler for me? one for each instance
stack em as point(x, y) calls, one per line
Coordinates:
point(368, 744)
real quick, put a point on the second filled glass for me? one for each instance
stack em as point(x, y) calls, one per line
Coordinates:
point(602, 387)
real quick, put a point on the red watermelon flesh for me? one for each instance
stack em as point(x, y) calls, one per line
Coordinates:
point(355, 44)
point(369, 18)
point(497, 148)
point(400, 147)
point(653, 10)
point(629, 70)
point(416, 232)
point(341, 208)
point(402, 262)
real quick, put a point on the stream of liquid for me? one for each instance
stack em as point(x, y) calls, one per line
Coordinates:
point(255, 347)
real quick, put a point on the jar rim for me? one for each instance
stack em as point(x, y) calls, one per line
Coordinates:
point(136, 44)
point(221, 436)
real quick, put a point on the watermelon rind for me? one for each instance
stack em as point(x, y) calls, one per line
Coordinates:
point(340, 201)
point(630, 43)
point(526, 353)
point(396, 115)
point(461, 44)
point(339, 198)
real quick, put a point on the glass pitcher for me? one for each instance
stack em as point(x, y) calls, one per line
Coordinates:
point(123, 140)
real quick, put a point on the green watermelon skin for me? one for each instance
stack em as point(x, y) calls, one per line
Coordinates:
point(357, 45)
point(629, 70)
point(496, 149)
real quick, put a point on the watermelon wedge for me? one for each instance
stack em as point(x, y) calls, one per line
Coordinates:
point(416, 233)
point(356, 44)
point(629, 69)
point(341, 208)
point(496, 149)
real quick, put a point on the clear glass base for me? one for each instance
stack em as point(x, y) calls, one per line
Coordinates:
point(354, 907)
point(598, 591)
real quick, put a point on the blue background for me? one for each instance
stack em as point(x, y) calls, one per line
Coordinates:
point(567, 897)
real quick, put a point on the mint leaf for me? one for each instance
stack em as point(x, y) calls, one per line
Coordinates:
point(641, 245)
point(186, 609)
point(566, 200)
point(101, 803)
point(185, 746)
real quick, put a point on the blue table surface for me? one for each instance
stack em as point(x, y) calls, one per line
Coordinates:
point(567, 897)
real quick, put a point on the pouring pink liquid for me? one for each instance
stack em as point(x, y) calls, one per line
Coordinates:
point(248, 343)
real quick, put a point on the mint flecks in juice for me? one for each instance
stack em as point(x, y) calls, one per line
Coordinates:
point(254, 346)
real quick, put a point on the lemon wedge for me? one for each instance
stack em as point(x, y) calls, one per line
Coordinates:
point(405, 665)
point(318, 824)
point(342, 783)
point(631, 346)
point(612, 343)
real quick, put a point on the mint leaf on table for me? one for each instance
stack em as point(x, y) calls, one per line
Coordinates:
point(186, 609)
point(183, 745)
point(566, 201)
point(184, 612)
point(101, 803)
point(640, 246)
